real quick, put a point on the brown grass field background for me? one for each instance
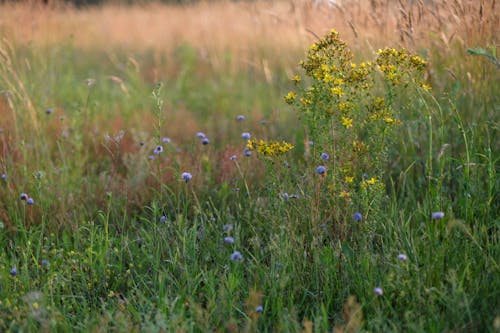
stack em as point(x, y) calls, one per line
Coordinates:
point(255, 32)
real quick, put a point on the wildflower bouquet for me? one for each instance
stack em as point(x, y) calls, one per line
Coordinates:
point(349, 111)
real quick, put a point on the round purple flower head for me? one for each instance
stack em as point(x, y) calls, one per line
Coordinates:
point(402, 257)
point(49, 111)
point(324, 156)
point(30, 201)
point(23, 196)
point(378, 291)
point(240, 117)
point(236, 256)
point(229, 240)
point(200, 135)
point(186, 176)
point(247, 152)
point(205, 141)
point(246, 135)
point(437, 215)
point(4, 176)
point(163, 219)
point(158, 150)
point(357, 217)
point(13, 271)
point(259, 309)
point(321, 170)
point(166, 140)
point(45, 263)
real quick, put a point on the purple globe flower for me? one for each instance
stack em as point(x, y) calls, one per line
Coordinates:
point(163, 219)
point(13, 271)
point(247, 152)
point(259, 309)
point(437, 215)
point(229, 240)
point(236, 256)
point(4, 176)
point(166, 140)
point(357, 217)
point(23, 196)
point(49, 111)
point(30, 201)
point(402, 257)
point(321, 170)
point(205, 141)
point(45, 263)
point(240, 118)
point(378, 291)
point(158, 150)
point(324, 156)
point(186, 176)
point(246, 135)
point(200, 135)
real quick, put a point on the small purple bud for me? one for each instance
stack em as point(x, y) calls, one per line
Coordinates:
point(324, 156)
point(158, 150)
point(30, 201)
point(13, 271)
point(321, 170)
point(186, 176)
point(229, 240)
point(357, 217)
point(259, 309)
point(205, 141)
point(246, 135)
point(378, 291)
point(437, 215)
point(236, 256)
point(402, 257)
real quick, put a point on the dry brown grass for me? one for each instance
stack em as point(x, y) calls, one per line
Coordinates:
point(246, 28)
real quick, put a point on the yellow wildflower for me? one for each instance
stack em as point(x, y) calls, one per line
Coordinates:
point(349, 179)
point(347, 122)
point(337, 91)
point(296, 79)
point(372, 181)
point(426, 87)
point(290, 97)
point(344, 194)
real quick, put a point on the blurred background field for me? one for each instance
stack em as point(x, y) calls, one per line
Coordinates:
point(82, 112)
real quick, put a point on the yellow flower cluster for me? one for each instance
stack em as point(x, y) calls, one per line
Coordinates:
point(393, 63)
point(271, 148)
point(290, 97)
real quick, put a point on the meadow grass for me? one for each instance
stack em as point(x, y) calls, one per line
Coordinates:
point(118, 238)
